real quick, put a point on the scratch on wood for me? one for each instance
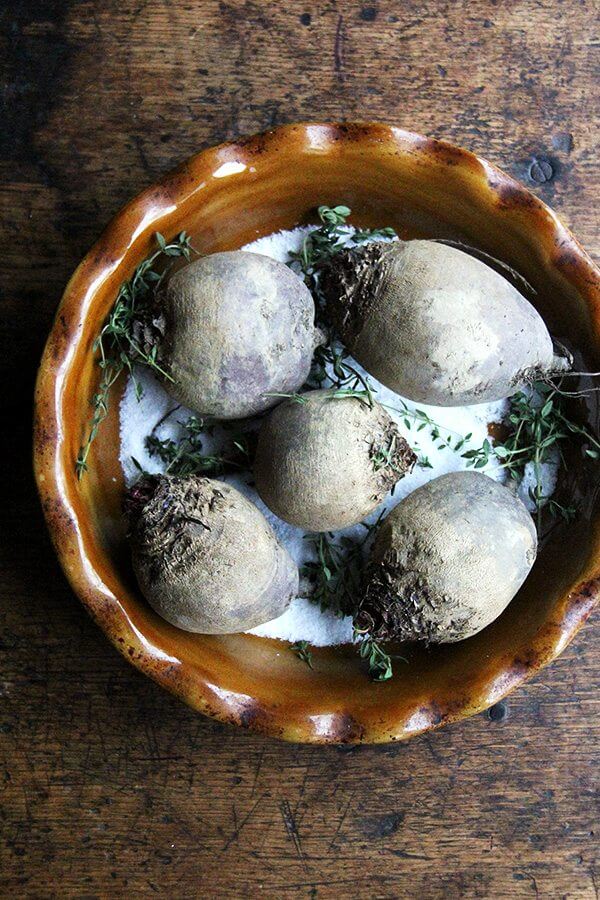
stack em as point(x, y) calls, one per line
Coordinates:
point(341, 822)
point(439, 759)
point(238, 828)
point(404, 854)
point(137, 141)
point(158, 758)
point(533, 882)
point(292, 829)
point(258, 768)
point(96, 719)
point(302, 789)
point(338, 49)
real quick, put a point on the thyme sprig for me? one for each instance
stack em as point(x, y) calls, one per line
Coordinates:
point(330, 366)
point(445, 438)
point(335, 573)
point(331, 370)
point(332, 235)
point(300, 648)
point(336, 578)
point(423, 461)
point(186, 455)
point(117, 346)
point(539, 424)
point(365, 395)
point(379, 662)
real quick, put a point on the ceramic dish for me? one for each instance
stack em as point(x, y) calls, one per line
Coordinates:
point(225, 197)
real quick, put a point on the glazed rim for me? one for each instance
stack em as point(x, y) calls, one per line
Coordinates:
point(54, 467)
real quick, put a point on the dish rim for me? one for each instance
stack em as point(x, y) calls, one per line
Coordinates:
point(52, 476)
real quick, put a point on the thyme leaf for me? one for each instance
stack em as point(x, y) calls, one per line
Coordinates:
point(300, 648)
point(332, 235)
point(330, 368)
point(336, 577)
point(186, 456)
point(539, 423)
point(379, 662)
point(118, 346)
point(335, 573)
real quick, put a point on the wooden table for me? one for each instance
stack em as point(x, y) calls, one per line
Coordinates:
point(110, 787)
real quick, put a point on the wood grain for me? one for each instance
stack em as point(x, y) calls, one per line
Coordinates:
point(109, 786)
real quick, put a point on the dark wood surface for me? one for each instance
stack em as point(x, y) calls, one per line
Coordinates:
point(107, 785)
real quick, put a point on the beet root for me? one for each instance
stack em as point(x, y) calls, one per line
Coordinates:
point(205, 557)
point(435, 324)
point(447, 561)
point(324, 462)
point(235, 328)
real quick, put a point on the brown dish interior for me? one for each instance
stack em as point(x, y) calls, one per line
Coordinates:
point(226, 197)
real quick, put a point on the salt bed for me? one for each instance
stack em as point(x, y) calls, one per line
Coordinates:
point(304, 620)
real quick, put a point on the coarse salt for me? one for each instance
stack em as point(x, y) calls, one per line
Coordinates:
point(304, 620)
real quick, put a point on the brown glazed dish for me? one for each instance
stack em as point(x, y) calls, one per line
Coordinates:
point(225, 197)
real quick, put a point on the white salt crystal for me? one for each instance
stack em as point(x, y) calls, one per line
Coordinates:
point(304, 620)
point(548, 479)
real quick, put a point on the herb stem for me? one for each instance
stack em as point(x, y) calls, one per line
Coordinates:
point(117, 348)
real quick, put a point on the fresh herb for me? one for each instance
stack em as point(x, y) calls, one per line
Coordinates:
point(480, 456)
point(335, 574)
point(118, 346)
point(330, 368)
point(336, 577)
point(380, 662)
point(557, 510)
point(444, 437)
point(332, 235)
point(186, 456)
point(338, 393)
point(300, 648)
point(383, 457)
point(539, 424)
point(365, 396)
point(319, 246)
